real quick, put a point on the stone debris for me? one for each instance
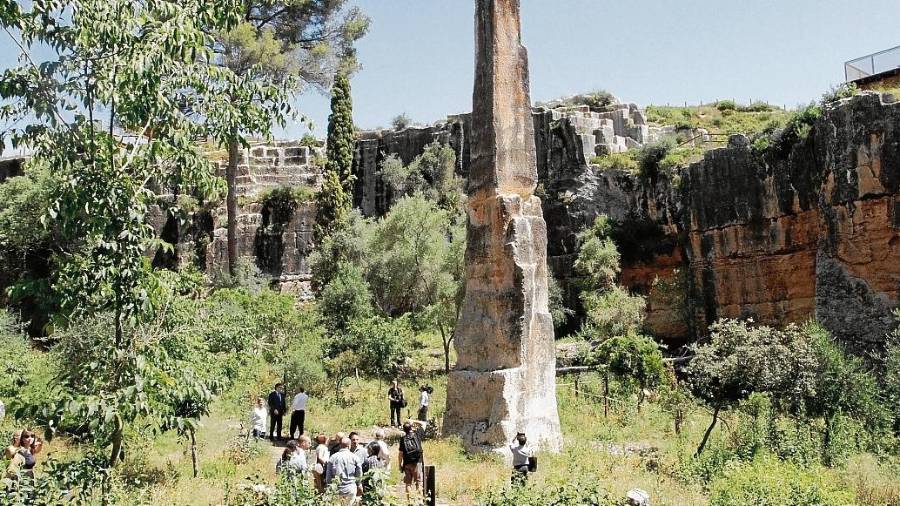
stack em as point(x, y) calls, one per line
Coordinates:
point(637, 497)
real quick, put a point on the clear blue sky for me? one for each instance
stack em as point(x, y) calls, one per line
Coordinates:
point(418, 55)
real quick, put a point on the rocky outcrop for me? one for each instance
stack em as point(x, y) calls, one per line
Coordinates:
point(504, 380)
point(811, 231)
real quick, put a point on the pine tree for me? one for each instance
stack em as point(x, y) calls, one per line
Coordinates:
point(334, 200)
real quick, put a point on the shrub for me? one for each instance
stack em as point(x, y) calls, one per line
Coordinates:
point(616, 161)
point(381, 344)
point(726, 105)
point(650, 158)
point(613, 312)
point(597, 264)
point(839, 92)
point(401, 122)
point(14, 357)
point(345, 298)
point(585, 491)
point(769, 482)
point(631, 358)
point(740, 359)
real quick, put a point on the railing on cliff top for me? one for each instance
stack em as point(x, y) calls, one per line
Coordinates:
point(870, 65)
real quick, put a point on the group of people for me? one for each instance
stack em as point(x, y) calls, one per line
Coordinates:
point(21, 454)
point(344, 459)
point(274, 410)
point(397, 401)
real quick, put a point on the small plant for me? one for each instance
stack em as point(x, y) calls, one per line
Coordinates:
point(309, 140)
point(726, 105)
point(401, 122)
point(840, 92)
point(770, 481)
point(616, 161)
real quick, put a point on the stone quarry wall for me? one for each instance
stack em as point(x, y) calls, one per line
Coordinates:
point(812, 233)
point(280, 250)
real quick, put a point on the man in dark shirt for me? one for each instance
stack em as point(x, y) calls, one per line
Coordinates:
point(411, 455)
point(277, 407)
point(395, 397)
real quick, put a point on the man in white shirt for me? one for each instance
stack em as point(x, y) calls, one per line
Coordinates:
point(521, 455)
point(298, 414)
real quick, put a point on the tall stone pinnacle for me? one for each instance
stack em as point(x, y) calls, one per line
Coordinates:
point(505, 375)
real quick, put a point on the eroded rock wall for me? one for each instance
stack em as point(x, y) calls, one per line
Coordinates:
point(811, 232)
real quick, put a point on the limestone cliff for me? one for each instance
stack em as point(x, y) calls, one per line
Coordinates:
point(813, 232)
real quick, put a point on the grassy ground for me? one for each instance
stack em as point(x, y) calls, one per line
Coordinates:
point(628, 449)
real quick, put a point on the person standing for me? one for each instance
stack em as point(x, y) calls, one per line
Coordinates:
point(411, 456)
point(10, 450)
point(277, 406)
point(424, 399)
point(346, 468)
point(397, 402)
point(258, 417)
point(288, 462)
point(357, 449)
point(298, 412)
point(322, 456)
point(521, 458)
point(23, 461)
point(384, 454)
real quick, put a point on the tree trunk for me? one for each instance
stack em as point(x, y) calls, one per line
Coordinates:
point(708, 431)
point(194, 464)
point(116, 445)
point(640, 399)
point(231, 202)
point(446, 344)
point(606, 396)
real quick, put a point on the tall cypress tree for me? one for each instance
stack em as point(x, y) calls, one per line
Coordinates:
point(334, 200)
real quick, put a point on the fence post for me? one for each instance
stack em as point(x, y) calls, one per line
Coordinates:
point(430, 489)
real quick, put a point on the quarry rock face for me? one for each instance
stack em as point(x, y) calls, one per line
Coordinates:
point(813, 232)
point(505, 377)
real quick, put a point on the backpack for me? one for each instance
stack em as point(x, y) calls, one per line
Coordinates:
point(412, 448)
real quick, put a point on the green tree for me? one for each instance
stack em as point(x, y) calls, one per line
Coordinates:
point(345, 298)
point(334, 200)
point(597, 264)
point(892, 374)
point(839, 385)
point(146, 68)
point(631, 358)
point(289, 44)
point(431, 174)
point(408, 250)
point(347, 244)
point(740, 359)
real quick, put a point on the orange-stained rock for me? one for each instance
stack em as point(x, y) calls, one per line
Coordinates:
point(504, 380)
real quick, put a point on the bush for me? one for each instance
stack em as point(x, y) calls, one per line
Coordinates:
point(380, 344)
point(769, 482)
point(839, 92)
point(345, 298)
point(726, 105)
point(401, 122)
point(650, 158)
point(14, 357)
point(585, 491)
point(632, 358)
point(613, 312)
point(616, 161)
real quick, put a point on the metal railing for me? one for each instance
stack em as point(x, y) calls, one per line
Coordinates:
point(872, 64)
